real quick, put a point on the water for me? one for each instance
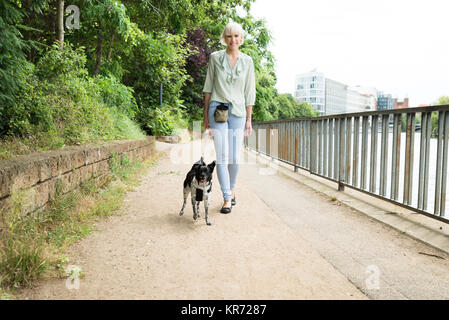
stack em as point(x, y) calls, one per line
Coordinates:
point(415, 176)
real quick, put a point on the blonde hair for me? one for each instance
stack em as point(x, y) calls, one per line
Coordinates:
point(231, 28)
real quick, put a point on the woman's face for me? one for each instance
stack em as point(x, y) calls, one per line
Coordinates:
point(233, 40)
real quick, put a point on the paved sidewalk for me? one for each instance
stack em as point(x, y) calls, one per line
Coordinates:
point(360, 235)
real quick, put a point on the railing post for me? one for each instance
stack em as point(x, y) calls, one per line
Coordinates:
point(309, 145)
point(396, 156)
point(257, 141)
point(296, 149)
point(441, 116)
point(373, 154)
point(331, 149)
point(341, 167)
point(336, 147)
point(409, 154)
point(444, 169)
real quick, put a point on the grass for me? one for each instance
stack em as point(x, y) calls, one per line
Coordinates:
point(13, 146)
point(33, 246)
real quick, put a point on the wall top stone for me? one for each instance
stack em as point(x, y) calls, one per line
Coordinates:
point(27, 170)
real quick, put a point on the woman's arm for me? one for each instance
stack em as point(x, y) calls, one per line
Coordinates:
point(250, 97)
point(206, 105)
point(208, 86)
point(206, 111)
point(249, 110)
point(248, 125)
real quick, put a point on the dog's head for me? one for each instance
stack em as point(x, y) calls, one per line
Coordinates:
point(204, 172)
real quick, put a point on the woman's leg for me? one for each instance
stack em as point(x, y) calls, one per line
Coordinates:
point(221, 143)
point(235, 137)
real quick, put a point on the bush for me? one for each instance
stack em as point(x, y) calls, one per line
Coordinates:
point(156, 121)
point(58, 64)
point(154, 60)
point(60, 100)
point(114, 94)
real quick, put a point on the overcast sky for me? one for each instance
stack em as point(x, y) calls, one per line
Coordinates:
point(397, 46)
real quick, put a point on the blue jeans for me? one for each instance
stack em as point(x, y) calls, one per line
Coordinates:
point(228, 140)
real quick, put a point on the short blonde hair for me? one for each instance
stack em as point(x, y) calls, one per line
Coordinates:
point(231, 28)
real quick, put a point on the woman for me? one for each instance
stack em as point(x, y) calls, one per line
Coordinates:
point(230, 80)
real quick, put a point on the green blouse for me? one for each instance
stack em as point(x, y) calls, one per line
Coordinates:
point(236, 86)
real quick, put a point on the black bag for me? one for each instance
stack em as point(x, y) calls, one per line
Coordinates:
point(221, 113)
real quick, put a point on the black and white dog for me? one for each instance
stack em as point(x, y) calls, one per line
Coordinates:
point(198, 183)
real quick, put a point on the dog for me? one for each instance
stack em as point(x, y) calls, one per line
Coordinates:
point(198, 183)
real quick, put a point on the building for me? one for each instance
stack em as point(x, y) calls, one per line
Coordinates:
point(357, 102)
point(401, 105)
point(369, 94)
point(310, 87)
point(328, 96)
point(335, 97)
point(385, 101)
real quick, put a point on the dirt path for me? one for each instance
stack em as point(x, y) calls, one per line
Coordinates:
point(149, 252)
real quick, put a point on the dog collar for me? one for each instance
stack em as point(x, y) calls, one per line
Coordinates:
point(200, 186)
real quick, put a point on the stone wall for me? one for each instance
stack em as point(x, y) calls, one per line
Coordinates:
point(39, 174)
point(169, 139)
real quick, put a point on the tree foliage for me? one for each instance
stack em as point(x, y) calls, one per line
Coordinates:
point(443, 100)
point(125, 50)
point(13, 65)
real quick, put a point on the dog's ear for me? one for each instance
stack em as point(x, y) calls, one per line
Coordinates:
point(211, 165)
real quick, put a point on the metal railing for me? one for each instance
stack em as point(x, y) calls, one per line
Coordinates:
point(366, 151)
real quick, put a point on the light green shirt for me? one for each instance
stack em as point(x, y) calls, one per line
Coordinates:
point(236, 86)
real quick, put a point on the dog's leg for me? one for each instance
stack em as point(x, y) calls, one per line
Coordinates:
point(206, 209)
point(195, 216)
point(186, 194)
point(198, 213)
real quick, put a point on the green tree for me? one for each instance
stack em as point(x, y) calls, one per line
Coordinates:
point(105, 26)
point(305, 109)
point(265, 108)
point(443, 100)
point(13, 66)
point(289, 108)
point(138, 43)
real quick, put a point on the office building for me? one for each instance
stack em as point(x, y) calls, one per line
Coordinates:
point(385, 101)
point(310, 87)
point(328, 96)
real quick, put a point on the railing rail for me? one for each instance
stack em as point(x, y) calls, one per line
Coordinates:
point(366, 151)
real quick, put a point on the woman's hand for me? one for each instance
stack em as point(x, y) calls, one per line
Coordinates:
point(206, 125)
point(248, 128)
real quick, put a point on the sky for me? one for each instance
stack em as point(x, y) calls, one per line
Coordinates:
point(397, 46)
